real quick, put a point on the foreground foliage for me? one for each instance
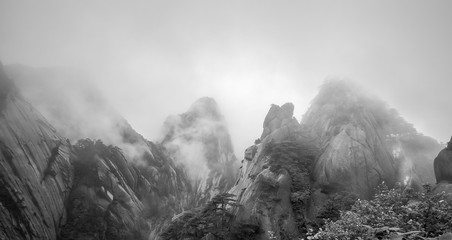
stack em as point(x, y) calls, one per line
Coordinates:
point(214, 221)
point(399, 213)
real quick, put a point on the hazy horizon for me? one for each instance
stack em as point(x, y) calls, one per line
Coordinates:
point(152, 59)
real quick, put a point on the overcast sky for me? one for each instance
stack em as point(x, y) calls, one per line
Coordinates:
point(154, 58)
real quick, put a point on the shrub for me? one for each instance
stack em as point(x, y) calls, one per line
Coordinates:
point(215, 219)
point(399, 211)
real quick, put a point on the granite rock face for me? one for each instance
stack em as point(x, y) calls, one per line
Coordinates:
point(200, 142)
point(35, 170)
point(354, 155)
point(279, 123)
point(363, 142)
point(273, 169)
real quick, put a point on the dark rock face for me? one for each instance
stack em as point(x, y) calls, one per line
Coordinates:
point(272, 171)
point(199, 140)
point(443, 172)
point(443, 166)
point(35, 172)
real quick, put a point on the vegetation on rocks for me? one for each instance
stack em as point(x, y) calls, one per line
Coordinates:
point(398, 213)
point(297, 158)
point(214, 221)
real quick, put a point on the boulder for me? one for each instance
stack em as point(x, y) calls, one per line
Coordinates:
point(443, 165)
point(250, 152)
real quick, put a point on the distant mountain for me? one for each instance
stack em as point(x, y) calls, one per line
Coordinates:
point(199, 140)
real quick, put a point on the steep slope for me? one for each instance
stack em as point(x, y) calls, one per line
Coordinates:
point(70, 101)
point(354, 154)
point(112, 198)
point(364, 142)
point(199, 140)
point(90, 190)
point(35, 170)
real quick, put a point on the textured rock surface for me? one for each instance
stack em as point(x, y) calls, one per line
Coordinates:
point(363, 142)
point(114, 199)
point(35, 171)
point(200, 141)
point(267, 179)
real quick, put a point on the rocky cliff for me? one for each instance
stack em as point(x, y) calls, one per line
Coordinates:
point(89, 190)
point(36, 174)
point(363, 142)
point(347, 143)
point(113, 198)
point(274, 181)
point(199, 140)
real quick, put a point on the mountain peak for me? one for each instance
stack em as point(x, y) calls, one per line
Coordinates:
point(338, 91)
point(205, 107)
point(277, 117)
point(199, 139)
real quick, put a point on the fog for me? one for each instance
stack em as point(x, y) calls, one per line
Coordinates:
point(152, 59)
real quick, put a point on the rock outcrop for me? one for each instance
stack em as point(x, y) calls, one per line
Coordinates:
point(274, 172)
point(354, 155)
point(443, 165)
point(199, 140)
point(364, 142)
point(35, 170)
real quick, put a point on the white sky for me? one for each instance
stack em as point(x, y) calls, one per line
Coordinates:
point(154, 58)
